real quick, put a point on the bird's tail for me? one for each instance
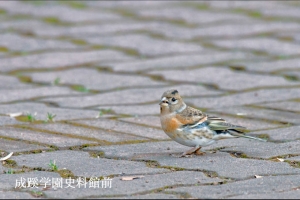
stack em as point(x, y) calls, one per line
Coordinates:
point(247, 136)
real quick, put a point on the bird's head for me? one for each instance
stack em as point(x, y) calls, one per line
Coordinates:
point(171, 102)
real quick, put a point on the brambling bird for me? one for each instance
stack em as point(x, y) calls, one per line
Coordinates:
point(191, 127)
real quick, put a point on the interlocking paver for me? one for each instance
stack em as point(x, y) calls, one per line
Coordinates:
point(224, 78)
point(190, 15)
point(269, 114)
point(8, 95)
point(15, 195)
point(179, 61)
point(139, 151)
point(144, 45)
point(245, 98)
point(61, 12)
point(265, 185)
point(296, 158)
point(293, 194)
point(270, 46)
point(41, 110)
point(147, 183)
point(264, 150)
point(6, 120)
point(85, 132)
point(26, 44)
point(147, 132)
point(86, 166)
point(283, 134)
point(10, 181)
point(226, 30)
point(133, 96)
point(11, 82)
point(97, 80)
point(59, 59)
point(283, 105)
point(222, 163)
point(92, 29)
point(42, 138)
point(271, 66)
point(144, 120)
point(18, 146)
point(149, 109)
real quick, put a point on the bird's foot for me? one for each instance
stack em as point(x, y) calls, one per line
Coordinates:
point(195, 150)
point(199, 153)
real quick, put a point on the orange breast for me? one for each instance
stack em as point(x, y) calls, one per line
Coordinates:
point(170, 125)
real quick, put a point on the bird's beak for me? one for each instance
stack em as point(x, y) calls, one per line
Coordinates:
point(163, 100)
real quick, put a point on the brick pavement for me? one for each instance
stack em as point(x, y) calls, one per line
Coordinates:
point(81, 81)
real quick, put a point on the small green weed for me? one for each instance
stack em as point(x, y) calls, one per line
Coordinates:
point(53, 165)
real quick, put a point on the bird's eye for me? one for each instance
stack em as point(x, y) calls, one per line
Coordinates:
point(173, 99)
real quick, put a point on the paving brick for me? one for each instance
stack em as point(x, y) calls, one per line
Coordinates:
point(292, 12)
point(222, 163)
point(61, 12)
point(283, 134)
point(190, 15)
point(296, 158)
point(15, 195)
point(151, 196)
point(271, 66)
point(145, 184)
point(268, 45)
point(22, 25)
point(18, 146)
point(224, 78)
point(279, 116)
point(244, 98)
point(146, 132)
point(9, 181)
point(145, 45)
point(295, 74)
point(232, 30)
point(133, 96)
point(82, 164)
point(6, 120)
point(247, 5)
point(179, 61)
point(129, 5)
point(141, 150)
point(265, 186)
point(227, 166)
point(97, 80)
point(42, 111)
point(224, 30)
point(43, 138)
point(144, 120)
point(293, 194)
point(8, 95)
point(149, 109)
point(25, 44)
point(291, 106)
point(11, 82)
point(59, 59)
point(123, 26)
point(264, 150)
point(91, 133)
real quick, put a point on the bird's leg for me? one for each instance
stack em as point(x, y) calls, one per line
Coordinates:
point(195, 150)
point(199, 152)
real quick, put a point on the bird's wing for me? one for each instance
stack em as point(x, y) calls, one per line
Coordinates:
point(191, 117)
point(219, 124)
